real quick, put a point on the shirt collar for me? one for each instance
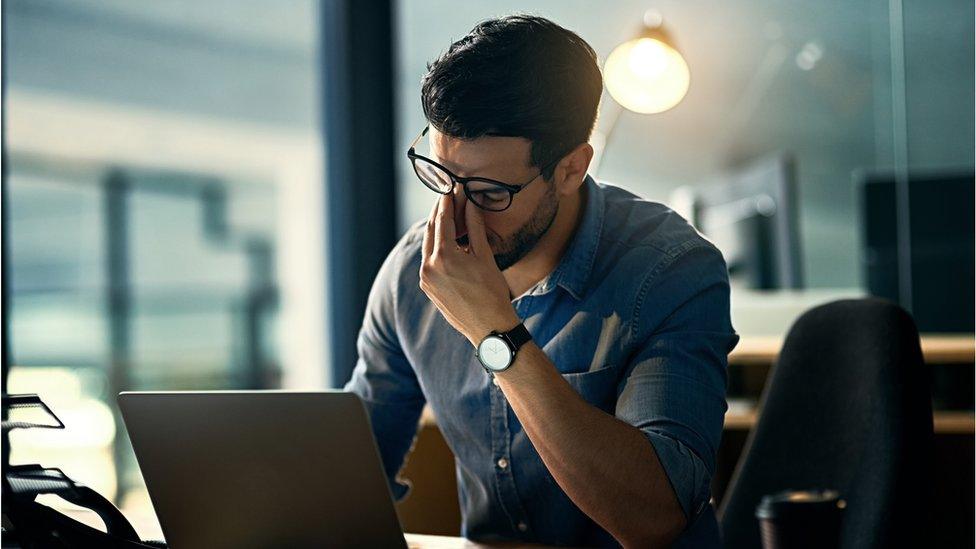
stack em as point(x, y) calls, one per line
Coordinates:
point(574, 268)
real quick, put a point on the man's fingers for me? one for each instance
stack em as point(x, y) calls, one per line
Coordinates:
point(474, 218)
point(428, 245)
point(444, 223)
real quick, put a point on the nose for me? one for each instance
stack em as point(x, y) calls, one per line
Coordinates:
point(460, 202)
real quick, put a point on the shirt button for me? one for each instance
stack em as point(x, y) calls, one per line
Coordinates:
point(523, 527)
point(494, 380)
point(502, 463)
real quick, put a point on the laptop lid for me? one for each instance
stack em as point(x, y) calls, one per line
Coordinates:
point(261, 469)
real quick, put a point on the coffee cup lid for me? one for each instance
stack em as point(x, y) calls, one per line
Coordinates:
point(804, 501)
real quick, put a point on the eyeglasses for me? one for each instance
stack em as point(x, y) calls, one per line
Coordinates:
point(485, 193)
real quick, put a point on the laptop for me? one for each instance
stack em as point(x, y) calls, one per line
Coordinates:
point(259, 469)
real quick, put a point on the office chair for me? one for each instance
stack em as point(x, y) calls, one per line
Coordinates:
point(847, 407)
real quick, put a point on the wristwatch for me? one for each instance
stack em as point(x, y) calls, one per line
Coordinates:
point(496, 352)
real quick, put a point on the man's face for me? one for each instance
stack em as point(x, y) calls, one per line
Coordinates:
point(512, 233)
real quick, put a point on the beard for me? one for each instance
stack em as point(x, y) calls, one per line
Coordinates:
point(514, 248)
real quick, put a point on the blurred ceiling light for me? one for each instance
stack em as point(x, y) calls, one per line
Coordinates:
point(647, 75)
point(809, 55)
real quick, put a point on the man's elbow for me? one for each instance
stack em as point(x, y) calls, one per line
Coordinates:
point(659, 531)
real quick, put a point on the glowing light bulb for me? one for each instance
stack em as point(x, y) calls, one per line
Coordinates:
point(646, 76)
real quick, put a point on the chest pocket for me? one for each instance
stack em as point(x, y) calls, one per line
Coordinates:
point(598, 387)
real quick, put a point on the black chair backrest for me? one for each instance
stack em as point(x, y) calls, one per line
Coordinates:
point(846, 407)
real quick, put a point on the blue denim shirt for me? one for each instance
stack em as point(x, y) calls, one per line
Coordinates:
point(635, 317)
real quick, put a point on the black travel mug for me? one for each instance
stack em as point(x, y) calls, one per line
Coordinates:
point(801, 519)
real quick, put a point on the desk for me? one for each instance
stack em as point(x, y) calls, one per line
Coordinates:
point(421, 541)
point(936, 348)
point(147, 526)
point(944, 422)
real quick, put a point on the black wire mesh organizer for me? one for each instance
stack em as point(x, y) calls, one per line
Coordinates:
point(29, 524)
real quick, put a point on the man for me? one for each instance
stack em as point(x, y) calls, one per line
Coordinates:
point(570, 337)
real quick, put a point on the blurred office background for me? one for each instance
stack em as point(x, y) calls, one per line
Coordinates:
point(198, 193)
point(163, 211)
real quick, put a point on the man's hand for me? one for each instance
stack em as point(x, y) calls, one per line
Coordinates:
point(464, 284)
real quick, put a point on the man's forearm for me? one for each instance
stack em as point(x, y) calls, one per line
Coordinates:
point(607, 467)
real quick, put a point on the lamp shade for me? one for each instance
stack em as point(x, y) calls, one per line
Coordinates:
point(647, 75)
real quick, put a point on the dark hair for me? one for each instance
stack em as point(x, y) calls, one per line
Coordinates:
point(517, 76)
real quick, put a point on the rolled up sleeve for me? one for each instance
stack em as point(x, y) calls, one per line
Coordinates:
point(674, 386)
point(383, 377)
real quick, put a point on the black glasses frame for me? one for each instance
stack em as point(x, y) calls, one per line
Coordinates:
point(463, 181)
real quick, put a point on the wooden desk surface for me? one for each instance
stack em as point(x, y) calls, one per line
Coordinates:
point(421, 541)
point(937, 349)
point(147, 526)
point(944, 422)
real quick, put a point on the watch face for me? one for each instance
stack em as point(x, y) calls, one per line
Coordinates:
point(494, 353)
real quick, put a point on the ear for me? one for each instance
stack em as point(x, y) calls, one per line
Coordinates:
point(571, 170)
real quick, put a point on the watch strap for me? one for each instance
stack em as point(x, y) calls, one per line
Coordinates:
point(516, 337)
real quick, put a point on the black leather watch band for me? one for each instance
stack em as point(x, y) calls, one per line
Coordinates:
point(516, 337)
